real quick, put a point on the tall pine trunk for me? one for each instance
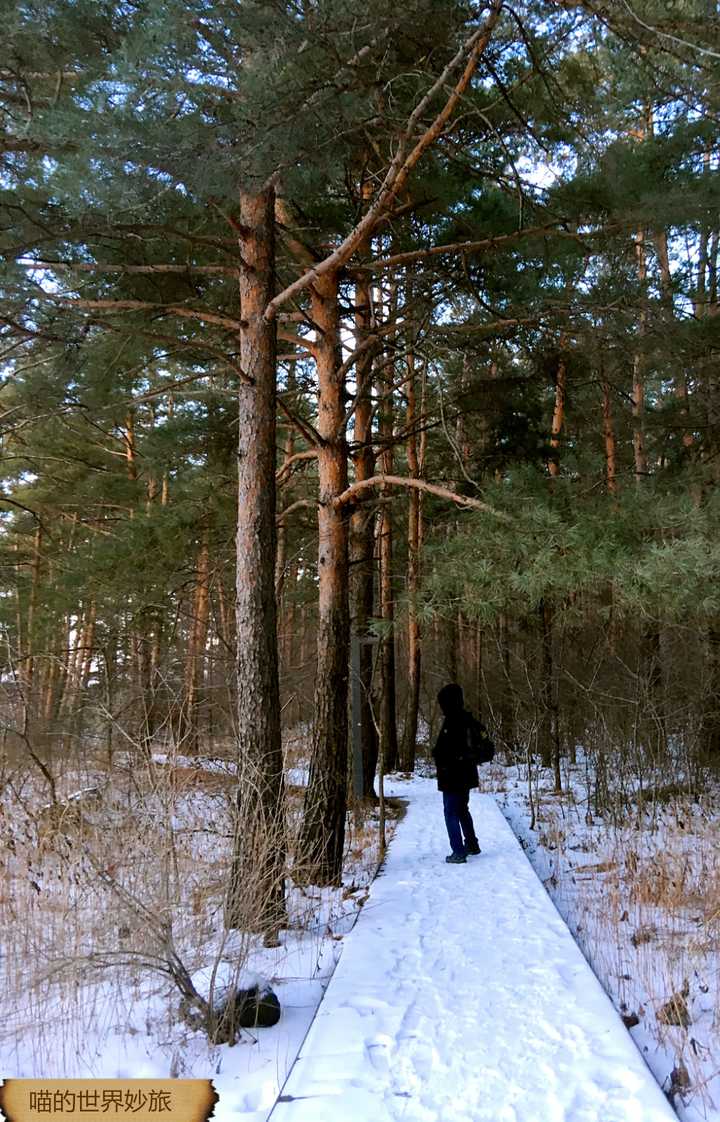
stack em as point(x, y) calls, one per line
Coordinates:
point(255, 897)
point(558, 418)
point(550, 727)
point(323, 829)
point(609, 439)
point(710, 715)
point(638, 386)
point(323, 833)
point(281, 559)
point(362, 565)
point(414, 655)
point(29, 665)
point(507, 708)
point(386, 699)
point(197, 643)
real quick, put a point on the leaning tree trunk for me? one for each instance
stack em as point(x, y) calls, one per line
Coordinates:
point(255, 898)
point(323, 829)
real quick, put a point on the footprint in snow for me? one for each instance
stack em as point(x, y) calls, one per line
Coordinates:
point(378, 1050)
point(369, 1005)
point(262, 1098)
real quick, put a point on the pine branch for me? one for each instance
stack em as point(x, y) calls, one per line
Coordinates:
point(492, 243)
point(296, 506)
point(99, 267)
point(306, 430)
point(352, 492)
point(147, 306)
point(283, 472)
point(175, 342)
point(299, 341)
point(404, 162)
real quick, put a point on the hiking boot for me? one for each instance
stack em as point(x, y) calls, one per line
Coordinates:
point(456, 859)
point(472, 848)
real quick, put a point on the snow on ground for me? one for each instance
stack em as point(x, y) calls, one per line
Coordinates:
point(68, 1014)
point(462, 997)
point(642, 905)
point(205, 763)
point(295, 776)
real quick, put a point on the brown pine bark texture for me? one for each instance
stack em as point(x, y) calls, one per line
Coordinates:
point(362, 565)
point(255, 897)
point(323, 830)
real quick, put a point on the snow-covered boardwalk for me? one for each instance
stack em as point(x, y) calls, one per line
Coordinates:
point(460, 996)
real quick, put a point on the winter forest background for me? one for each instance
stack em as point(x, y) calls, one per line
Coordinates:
point(354, 336)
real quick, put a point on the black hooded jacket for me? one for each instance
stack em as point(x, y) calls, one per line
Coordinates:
point(455, 773)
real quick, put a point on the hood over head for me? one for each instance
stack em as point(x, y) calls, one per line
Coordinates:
point(450, 699)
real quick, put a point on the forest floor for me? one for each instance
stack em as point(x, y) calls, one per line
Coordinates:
point(83, 998)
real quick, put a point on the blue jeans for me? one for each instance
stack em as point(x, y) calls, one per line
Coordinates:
point(458, 821)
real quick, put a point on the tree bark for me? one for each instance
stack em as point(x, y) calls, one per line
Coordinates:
point(362, 565)
point(386, 699)
point(609, 440)
point(414, 655)
point(256, 892)
point(130, 456)
point(479, 636)
point(680, 386)
point(32, 626)
point(352, 493)
point(549, 738)
point(197, 643)
point(69, 699)
point(323, 829)
point(288, 449)
point(507, 715)
point(710, 720)
point(86, 656)
point(558, 419)
point(638, 387)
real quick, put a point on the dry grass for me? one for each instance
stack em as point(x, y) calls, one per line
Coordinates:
point(644, 905)
point(641, 894)
point(119, 894)
point(103, 891)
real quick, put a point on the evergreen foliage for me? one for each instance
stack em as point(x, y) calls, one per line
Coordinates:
point(563, 356)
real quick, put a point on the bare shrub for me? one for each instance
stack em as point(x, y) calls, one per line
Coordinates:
point(132, 876)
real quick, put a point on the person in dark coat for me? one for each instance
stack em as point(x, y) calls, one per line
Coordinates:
point(456, 774)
